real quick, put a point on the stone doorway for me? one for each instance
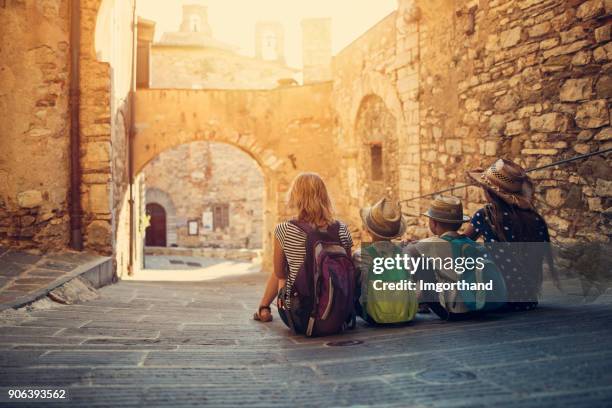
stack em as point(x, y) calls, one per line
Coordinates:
point(155, 234)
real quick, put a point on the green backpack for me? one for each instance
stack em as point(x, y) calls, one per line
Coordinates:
point(386, 306)
point(477, 300)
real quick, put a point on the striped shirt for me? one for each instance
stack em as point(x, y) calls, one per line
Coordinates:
point(293, 242)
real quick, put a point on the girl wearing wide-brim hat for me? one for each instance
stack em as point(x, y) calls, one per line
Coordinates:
point(509, 216)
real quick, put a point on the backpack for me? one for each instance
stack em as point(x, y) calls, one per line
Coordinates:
point(479, 300)
point(386, 306)
point(323, 294)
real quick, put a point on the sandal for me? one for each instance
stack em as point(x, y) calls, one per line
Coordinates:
point(257, 315)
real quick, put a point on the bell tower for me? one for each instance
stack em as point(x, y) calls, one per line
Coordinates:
point(195, 19)
point(270, 41)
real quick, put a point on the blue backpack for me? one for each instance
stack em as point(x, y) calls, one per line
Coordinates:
point(479, 300)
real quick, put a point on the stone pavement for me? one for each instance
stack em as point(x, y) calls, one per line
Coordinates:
point(191, 268)
point(193, 344)
point(26, 276)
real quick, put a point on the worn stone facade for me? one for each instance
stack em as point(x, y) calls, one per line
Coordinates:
point(106, 46)
point(209, 68)
point(471, 81)
point(285, 130)
point(197, 176)
point(526, 80)
point(34, 96)
point(192, 58)
point(434, 89)
point(34, 130)
point(375, 84)
point(316, 50)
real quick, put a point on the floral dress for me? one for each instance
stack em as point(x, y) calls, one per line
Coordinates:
point(520, 263)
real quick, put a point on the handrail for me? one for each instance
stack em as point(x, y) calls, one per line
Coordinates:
point(554, 164)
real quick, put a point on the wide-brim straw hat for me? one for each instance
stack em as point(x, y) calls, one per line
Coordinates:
point(508, 181)
point(447, 209)
point(384, 219)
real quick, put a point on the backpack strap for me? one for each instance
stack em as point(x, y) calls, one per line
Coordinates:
point(304, 226)
point(460, 247)
point(333, 229)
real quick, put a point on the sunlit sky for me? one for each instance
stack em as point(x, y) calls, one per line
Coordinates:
point(233, 21)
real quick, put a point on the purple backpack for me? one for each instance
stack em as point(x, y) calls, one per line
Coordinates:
point(322, 298)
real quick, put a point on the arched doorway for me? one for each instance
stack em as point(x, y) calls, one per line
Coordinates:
point(212, 196)
point(376, 131)
point(155, 234)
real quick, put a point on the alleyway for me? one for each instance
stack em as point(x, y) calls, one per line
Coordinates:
point(193, 344)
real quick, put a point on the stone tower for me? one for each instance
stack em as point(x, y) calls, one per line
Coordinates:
point(316, 49)
point(195, 19)
point(270, 41)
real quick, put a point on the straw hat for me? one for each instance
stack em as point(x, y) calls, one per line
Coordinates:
point(384, 219)
point(507, 180)
point(447, 209)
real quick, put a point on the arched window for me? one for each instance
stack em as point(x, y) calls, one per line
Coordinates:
point(268, 51)
point(194, 23)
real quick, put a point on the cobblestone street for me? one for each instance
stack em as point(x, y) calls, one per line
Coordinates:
point(193, 344)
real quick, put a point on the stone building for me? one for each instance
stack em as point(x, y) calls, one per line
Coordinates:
point(196, 184)
point(435, 88)
point(192, 58)
point(45, 100)
point(214, 189)
point(470, 81)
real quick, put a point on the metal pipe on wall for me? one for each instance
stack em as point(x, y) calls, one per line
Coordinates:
point(130, 145)
point(76, 235)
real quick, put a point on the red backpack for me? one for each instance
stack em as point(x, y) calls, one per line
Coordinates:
point(322, 298)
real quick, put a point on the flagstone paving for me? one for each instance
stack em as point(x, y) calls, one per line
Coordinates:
point(160, 344)
point(26, 276)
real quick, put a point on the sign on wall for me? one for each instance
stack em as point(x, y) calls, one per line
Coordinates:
point(192, 227)
point(207, 221)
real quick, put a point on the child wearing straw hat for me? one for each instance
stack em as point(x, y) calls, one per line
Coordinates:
point(461, 280)
point(446, 217)
point(382, 222)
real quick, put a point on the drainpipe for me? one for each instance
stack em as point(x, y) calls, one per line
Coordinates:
point(76, 235)
point(130, 150)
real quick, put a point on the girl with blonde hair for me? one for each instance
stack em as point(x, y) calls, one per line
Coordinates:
point(310, 202)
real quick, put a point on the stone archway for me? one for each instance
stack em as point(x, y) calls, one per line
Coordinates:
point(285, 130)
point(270, 185)
point(215, 195)
point(270, 126)
point(406, 117)
point(377, 138)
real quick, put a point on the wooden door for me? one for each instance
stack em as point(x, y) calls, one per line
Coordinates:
point(155, 234)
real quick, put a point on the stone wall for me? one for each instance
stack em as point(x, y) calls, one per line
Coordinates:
point(316, 50)
point(34, 130)
point(34, 145)
point(374, 87)
point(285, 130)
point(106, 80)
point(209, 68)
point(198, 175)
point(526, 80)
point(376, 133)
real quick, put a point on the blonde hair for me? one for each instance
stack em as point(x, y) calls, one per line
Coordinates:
point(308, 196)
